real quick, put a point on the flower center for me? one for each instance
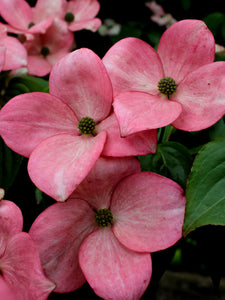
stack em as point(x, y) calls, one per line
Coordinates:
point(45, 51)
point(167, 86)
point(31, 24)
point(86, 125)
point(103, 217)
point(69, 17)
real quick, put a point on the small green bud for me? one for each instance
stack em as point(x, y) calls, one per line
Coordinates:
point(86, 125)
point(31, 24)
point(167, 86)
point(45, 51)
point(103, 217)
point(69, 17)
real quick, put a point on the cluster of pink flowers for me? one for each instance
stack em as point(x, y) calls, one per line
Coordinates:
point(81, 140)
point(45, 31)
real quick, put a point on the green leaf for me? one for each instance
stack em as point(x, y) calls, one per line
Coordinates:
point(206, 188)
point(171, 160)
point(9, 165)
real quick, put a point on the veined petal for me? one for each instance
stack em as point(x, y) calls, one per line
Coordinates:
point(149, 212)
point(81, 80)
point(37, 65)
point(202, 95)
point(11, 222)
point(133, 65)
point(113, 271)
point(58, 232)
point(92, 24)
point(184, 47)
point(83, 10)
point(136, 111)
point(6, 292)
point(58, 164)
point(21, 269)
point(44, 9)
point(141, 143)
point(17, 13)
point(2, 57)
point(28, 119)
point(99, 184)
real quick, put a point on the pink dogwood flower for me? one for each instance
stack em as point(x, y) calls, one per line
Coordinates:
point(13, 55)
point(179, 84)
point(64, 133)
point(76, 14)
point(105, 232)
point(21, 274)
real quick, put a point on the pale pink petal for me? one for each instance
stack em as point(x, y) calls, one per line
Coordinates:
point(37, 65)
point(80, 79)
point(83, 10)
point(133, 65)
point(17, 13)
point(184, 47)
point(141, 143)
point(58, 233)
point(98, 186)
point(44, 9)
point(21, 269)
point(148, 210)
point(137, 111)
point(11, 222)
point(15, 54)
point(29, 118)
point(113, 271)
point(60, 163)
point(2, 57)
point(6, 292)
point(92, 25)
point(40, 27)
point(202, 95)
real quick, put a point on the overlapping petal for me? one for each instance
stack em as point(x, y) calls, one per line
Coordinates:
point(202, 95)
point(58, 233)
point(133, 66)
point(184, 47)
point(29, 118)
point(113, 271)
point(137, 111)
point(58, 164)
point(88, 91)
point(149, 212)
point(141, 143)
point(107, 172)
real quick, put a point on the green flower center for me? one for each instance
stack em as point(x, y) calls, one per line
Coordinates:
point(86, 125)
point(31, 24)
point(69, 17)
point(103, 217)
point(45, 51)
point(167, 86)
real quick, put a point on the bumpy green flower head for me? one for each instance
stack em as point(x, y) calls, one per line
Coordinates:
point(69, 17)
point(86, 125)
point(103, 217)
point(167, 86)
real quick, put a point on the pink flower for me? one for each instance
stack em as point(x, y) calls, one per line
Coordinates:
point(76, 14)
point(21, 275)
point(45, 49)
point(63, 133)
point(179, 84)
point(13, 55)
point(105, 232)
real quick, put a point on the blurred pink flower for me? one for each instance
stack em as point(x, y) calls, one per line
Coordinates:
point(159, 16)
point(179, 84)
point(76, 14)
point(21, 275)
point(13, 55)
point(63, 133)
point(105, 232)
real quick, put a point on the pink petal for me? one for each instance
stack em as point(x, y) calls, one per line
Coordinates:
point(28, 119)
point(86, 85)
point(141, 111)
point(133, 65)
point(40, 27)
point(11, 222)
point(22, 270)
point(6, 292)
point(37, 65)
point(44, 9)
point(58, 233)
point(113, 271)
point(92, 25)
point(149, 212)
point(98, 186)
point(83, 10)
point(136, 144)
point(202, 95)
point(2, 57)
point(60, 163)
point(17, 13)
point(184, 47)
